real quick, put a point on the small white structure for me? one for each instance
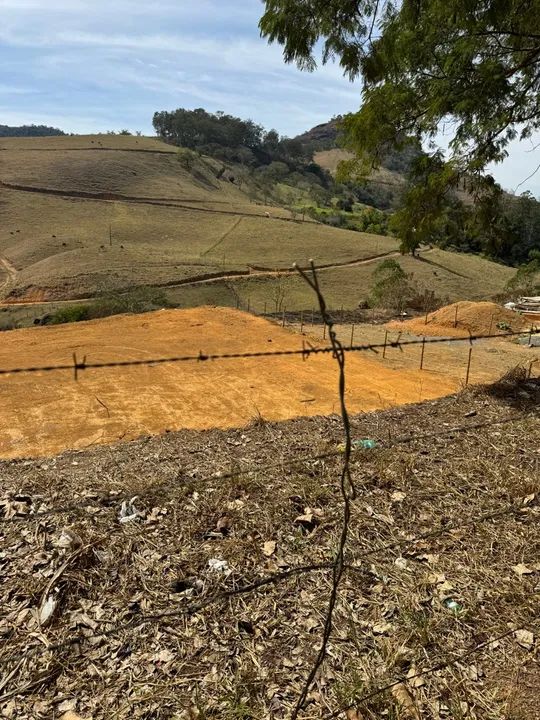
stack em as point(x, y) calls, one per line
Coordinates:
point(529, 306)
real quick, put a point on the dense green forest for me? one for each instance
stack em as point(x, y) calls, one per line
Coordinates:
point(29, 131)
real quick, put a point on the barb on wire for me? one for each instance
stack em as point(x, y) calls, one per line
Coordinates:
point(293, 462)
point(348, 491)
point(303, 352)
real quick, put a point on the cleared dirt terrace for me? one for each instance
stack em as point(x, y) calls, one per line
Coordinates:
point(45, 413)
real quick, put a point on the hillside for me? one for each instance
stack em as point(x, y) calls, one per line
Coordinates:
point(88, 214)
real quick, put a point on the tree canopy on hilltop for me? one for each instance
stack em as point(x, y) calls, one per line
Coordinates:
point(29, 131)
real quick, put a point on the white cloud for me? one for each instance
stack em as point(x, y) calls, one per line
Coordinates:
point(93, 65)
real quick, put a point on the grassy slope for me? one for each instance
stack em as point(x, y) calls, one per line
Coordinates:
point(477, 279)
point(60, 245)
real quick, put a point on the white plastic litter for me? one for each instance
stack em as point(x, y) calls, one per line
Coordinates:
point(219, 566)
point(128, 511)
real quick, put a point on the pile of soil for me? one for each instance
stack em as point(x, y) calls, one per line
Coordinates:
point(464, 318)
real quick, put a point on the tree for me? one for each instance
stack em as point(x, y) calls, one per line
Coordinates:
point(391, 288)
point(475, 63)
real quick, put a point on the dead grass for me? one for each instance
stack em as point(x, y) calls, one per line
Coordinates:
point(348, 286)
point(246, 656)
point(60, 245)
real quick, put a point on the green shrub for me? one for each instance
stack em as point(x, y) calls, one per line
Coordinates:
point(139, 300)
point(68, 314)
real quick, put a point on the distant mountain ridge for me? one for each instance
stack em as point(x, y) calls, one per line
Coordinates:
point(29, 131)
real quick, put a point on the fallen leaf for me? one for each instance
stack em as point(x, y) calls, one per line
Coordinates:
point(219, 566)
point(436, 578)
point(525, 638)
point(269, 547)
point(522, 569)
point(381, 628)
point(309, 520)
point(236, 505)
point(68, 539)
point(404, 698)
point(352, 714)
point(223, 525)
point(46, 610)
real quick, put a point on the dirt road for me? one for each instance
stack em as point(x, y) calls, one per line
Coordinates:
point(11, 275)
point(45, 413)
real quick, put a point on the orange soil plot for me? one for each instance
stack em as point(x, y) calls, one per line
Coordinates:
point(47, 412)
point(464, 318)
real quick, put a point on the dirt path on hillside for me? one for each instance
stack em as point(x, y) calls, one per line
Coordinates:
point(220, 277)
point(43, 413)
point(138, 200)
point(11, 275)
point(258, 271)
point(224, 236)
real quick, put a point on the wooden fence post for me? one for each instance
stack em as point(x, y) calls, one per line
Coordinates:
point(468, 367)
point(422, 355)
point(385, 339)
point(352, 335)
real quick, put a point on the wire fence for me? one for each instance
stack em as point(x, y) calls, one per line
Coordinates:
point(77, 365)
point(286, 463)
point(338, 565)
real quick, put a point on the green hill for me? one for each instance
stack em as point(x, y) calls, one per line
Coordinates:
point(84, 215)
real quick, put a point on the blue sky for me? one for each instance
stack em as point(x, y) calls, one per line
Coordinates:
point(96, 65)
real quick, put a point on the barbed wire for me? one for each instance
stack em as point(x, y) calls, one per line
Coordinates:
point(347, 488)
point(330, 454)
point(305, 352)
point(433, 668)
point(338, 566)
point(274, 578)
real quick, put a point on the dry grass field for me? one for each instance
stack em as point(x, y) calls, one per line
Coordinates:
point(451, 276)
point(84, 215)
point(210, 602)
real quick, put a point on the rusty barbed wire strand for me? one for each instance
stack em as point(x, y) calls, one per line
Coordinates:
point(433, 668)
point(348, 491)
point(77, 366)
